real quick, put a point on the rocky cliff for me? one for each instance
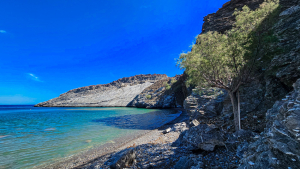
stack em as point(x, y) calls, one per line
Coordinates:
point(166, 93)
point(117, 93)
point(223, 19)
point(279, 145)
point(269, 105)
point(279, 64)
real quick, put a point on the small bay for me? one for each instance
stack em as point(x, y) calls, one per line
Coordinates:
point(32, 136)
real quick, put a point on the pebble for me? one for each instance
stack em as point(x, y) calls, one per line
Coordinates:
point(251, 163)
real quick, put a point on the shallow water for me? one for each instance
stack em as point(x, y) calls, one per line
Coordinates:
point(32, 136)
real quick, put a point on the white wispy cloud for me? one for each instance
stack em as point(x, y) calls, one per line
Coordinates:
point(2, 31)
point(34, 77)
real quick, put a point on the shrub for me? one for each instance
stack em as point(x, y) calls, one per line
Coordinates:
point(173, 81)
point(168, 86)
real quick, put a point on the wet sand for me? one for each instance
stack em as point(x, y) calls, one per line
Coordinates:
point(85, 158)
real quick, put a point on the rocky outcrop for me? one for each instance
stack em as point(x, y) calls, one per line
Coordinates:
point(223, 19)
point(279, 145)
point(278, 67)
point(208, 104)
point(204, 137)
point(117, 93)
point(166, 93)
point(123, 159)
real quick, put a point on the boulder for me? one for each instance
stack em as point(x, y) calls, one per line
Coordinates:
point(123, 159)
point(204, 137)
point(207, 105)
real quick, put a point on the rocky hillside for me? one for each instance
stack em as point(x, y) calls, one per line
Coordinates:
point(166, 93)
point(279, 145)
point(279, 64)
point(117, 93)
point(223, 19)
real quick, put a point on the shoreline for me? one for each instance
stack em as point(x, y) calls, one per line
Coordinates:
point(87, 157)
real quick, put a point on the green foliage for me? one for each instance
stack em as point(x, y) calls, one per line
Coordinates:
point(226, 60)
point(173, 81)
point(168, 86)
point(148, 96)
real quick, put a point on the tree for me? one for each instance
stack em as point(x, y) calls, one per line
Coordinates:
point(227, 60)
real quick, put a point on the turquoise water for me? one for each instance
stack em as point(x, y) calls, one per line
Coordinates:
point(32, 136)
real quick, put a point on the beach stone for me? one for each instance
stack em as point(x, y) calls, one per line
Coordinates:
point(179, 127)
point(194, 122)
point(123, 159)
point(167, 130)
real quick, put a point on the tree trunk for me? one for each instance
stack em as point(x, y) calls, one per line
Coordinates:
point(235, 106)
point(239, 109)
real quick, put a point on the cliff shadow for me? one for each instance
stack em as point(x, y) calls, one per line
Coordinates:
point(147, 121)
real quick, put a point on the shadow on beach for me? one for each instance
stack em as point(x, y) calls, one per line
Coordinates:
point(147, 121)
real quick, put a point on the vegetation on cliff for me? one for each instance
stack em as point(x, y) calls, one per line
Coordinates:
point(229, 60)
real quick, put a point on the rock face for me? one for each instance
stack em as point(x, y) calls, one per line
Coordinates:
point(166, 93)
point(208, 104)
point(279, 145)
point(204, 137)
point(280, 66)
point(223, 20)
point(123, 159)
point(118, 93)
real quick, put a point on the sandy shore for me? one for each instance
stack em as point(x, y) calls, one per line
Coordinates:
point(86, 158)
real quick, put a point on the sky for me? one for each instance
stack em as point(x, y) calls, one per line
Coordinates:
point(51, 46)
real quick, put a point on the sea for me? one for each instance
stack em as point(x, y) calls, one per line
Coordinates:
point(33, 136)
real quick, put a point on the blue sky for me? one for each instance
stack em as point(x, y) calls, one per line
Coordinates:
point(50, 47)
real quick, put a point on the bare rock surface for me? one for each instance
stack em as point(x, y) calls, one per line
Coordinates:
point(115, 94)
point(223, 19)
point(166, 93)
point(204, 137)
point(279, 145)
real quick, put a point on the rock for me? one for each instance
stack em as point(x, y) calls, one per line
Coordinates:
point(250, 163)
point(207, 105)
point(290, 11)
point(251, 96)
point(179, 127)
point(223, 19)
point(194, 122)
point(279, 144)
point(123, 159)
point(184, 163)
point(117, 93)
point(167, 130)
point(165, 93)
point(202, 137)
point(242, 148)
